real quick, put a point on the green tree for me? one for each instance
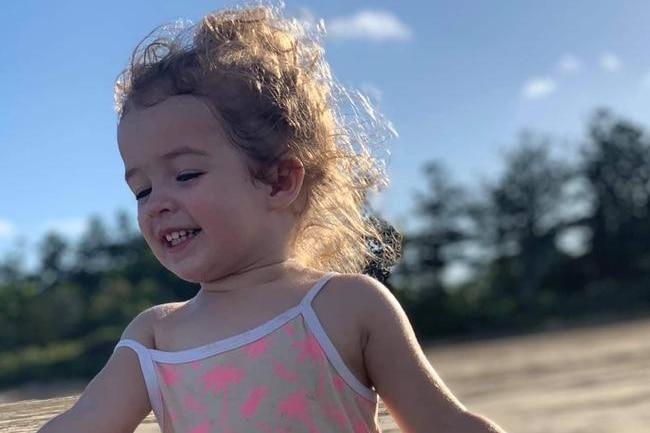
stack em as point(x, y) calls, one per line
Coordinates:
point(92, 249)
point(617, 168)
point(527, 205)
point(12, 269)
point(433, 245)
point(53, 314)
point(53, 249)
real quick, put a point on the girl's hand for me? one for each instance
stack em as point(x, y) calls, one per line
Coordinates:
point(116, 400)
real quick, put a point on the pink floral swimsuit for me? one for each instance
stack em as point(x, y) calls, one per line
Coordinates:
point(280, 377)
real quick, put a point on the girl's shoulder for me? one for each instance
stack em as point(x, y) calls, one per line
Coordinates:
point(355, 292)
point(363, 304)
point(143, 327)
point(352, 301)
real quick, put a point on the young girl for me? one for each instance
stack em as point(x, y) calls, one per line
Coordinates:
point(248, 183)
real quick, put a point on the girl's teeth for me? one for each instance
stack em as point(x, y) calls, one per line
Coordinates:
point(176, 237)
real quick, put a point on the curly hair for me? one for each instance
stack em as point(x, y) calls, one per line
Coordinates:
point(265, 78)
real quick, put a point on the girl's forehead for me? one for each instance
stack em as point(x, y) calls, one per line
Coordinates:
point(178, 118)
point(175, 110)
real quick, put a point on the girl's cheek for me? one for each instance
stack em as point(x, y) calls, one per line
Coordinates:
point(145, 229)
point(141, 224)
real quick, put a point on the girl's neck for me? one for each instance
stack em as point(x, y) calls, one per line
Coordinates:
point(256, 275)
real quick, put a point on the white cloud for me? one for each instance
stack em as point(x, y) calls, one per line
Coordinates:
point(369, 24)
point(71, 227)
point(7, 229)
point(610, 62)
point(569, 64)
point(536, 88)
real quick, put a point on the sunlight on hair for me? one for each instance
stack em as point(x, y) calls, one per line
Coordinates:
point(265, 78)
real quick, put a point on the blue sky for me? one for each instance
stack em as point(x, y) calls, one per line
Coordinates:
point(458, 78)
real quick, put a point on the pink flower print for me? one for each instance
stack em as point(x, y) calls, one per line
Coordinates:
point(282, 371)
point(169, 374)
point(220, 378)
point(338, 382)
point(172, 414)
point(288, 329)
point(338, 415)
point(359, 426)
point(204, 427)
point(295, 407)
point(266, 429)
point(256, 348)
point(249, 406)
point(364, 402)
point(196, 365)
point(309, 348)
point(192, 404)
point(321, 382)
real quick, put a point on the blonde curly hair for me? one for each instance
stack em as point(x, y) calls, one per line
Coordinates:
point(265, 77)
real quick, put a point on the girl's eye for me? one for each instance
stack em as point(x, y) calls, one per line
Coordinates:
point(184, 177)
point(142, 194)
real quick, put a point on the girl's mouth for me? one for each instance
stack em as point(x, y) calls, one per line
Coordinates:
point(178, 237)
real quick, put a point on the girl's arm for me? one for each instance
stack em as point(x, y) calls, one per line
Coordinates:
point(116, 400)
point(415, 395)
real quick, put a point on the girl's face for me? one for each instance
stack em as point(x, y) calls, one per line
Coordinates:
point(198, 209)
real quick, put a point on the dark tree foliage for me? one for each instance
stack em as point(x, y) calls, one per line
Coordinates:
point(528, 203)
point(429, 249)
point(616, 163)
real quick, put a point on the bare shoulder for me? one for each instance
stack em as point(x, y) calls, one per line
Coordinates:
point(348, 292)
point(143, 328)
point(365, 297)
point(358, 287)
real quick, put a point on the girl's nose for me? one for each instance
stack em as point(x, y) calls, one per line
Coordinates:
point(159, 202)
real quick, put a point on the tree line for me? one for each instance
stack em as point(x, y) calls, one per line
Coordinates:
point(557, 237)
point(553, 239)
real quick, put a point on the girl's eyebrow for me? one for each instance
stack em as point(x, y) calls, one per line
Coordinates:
point(184, 150)
point(181, 151)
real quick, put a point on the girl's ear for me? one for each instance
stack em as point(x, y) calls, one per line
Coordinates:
point(285, 183)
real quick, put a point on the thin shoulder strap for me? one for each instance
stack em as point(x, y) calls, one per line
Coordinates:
point(326, 344)
point(149, 374)
point(311, 294)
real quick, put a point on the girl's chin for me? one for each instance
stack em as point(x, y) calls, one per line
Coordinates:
point(184, 271)
point(198, 277)
point(188, 275)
